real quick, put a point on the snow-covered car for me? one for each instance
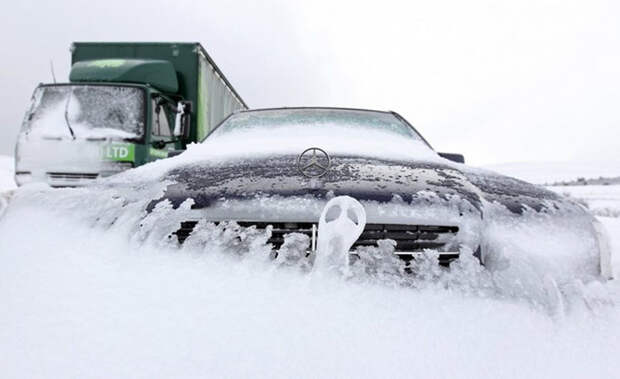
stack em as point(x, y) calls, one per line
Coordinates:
point(275, 169)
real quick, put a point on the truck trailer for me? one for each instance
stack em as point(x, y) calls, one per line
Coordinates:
point(126, 104)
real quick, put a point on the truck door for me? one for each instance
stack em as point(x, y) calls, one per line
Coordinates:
point(161, 131)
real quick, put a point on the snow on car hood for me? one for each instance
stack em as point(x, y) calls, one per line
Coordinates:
point(251, 144)
point(369, 164)
point(365, 178)
point(369, 179)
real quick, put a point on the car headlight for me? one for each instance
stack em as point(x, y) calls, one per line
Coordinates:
point(604, 249)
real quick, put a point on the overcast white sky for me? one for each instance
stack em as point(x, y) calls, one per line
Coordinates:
point(521, 80)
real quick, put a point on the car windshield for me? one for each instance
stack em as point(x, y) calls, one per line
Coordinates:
point(316, 118)
point(88, 111)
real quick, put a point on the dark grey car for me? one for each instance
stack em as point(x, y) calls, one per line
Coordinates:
point(277, 168)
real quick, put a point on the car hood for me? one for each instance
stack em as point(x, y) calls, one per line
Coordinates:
point(366, 179)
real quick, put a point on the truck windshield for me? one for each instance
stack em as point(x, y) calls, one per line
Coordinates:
point(87, 111)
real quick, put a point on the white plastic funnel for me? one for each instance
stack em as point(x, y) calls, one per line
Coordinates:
point(341, 223)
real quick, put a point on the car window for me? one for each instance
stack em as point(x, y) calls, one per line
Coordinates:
point(317, 117)
point(161, 126)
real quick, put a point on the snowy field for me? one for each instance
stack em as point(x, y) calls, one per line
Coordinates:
point(78, 301)
point(551, 172)
point(602, 200)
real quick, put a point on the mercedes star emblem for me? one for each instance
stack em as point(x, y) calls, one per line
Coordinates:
point(313, 162)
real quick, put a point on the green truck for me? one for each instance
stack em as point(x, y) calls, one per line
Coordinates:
point(126, 104)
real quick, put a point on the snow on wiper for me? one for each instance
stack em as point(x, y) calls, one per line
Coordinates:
point(67, 114)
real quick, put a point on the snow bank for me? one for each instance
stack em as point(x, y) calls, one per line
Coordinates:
point(90, 298)
point(86, 292)
point(550, 172)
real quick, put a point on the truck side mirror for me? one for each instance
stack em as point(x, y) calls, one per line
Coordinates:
point(186, 120)
point(458, 158)
point(182, 121)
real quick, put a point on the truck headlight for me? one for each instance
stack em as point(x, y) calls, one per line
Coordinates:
point(23, 177)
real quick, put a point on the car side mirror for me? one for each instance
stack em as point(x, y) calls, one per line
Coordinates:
point(458, 158)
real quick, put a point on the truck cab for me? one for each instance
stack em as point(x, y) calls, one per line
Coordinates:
point(126, 104)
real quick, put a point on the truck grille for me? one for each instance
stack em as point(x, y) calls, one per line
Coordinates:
point(71, 176)
point(410, 239)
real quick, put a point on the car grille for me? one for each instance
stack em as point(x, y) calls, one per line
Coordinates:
point(410, 239)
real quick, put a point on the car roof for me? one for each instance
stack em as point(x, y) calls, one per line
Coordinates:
point(312, 108)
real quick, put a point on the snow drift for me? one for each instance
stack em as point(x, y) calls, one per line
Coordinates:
point(93, 287)
point(87, 293)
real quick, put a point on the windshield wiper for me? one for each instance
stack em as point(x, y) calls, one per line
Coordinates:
point(67, 114)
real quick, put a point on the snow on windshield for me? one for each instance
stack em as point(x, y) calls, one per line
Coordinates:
point(90, 111)
point(299, 119)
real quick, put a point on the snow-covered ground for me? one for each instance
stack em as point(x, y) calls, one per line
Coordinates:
point(601, 200)
point(79, 301)
point(551, 172)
